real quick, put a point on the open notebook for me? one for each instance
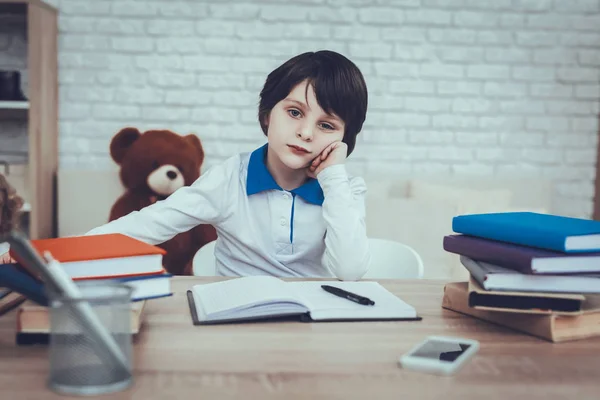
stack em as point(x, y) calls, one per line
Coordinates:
point(266, 297)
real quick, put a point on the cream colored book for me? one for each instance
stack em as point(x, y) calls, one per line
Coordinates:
point(267, 297)
point(32, 318)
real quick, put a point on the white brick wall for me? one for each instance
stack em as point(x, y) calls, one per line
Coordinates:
point(488, 87)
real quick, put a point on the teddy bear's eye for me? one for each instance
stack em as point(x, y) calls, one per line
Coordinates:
point(155, 165)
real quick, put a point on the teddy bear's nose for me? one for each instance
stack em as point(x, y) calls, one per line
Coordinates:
point(171, 174)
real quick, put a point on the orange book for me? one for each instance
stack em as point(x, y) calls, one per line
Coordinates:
point(101, 256)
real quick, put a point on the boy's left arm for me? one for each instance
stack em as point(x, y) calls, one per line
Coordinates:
point(347, 252)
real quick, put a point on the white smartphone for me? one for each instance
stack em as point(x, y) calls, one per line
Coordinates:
point(442, 355)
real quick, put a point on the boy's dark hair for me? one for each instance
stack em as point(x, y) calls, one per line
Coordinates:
point(338, 84)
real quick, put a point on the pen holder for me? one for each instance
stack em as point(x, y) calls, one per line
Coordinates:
point(77, 365)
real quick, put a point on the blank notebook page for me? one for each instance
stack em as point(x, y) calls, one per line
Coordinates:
point(241, 293)
point(324, 305)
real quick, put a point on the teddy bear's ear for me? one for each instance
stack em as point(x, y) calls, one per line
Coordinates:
point(121, 143)
point(195, 141)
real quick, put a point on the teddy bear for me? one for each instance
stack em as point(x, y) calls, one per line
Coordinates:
point(153, 165)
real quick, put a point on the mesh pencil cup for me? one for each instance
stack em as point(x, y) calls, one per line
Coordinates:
point(78, 362)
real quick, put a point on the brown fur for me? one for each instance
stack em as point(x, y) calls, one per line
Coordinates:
point(139, 154)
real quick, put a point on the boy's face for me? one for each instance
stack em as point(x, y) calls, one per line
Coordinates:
point(299, 130)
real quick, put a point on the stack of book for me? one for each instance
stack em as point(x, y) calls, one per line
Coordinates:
point(9, 299)
point(101, 258)
point(536, 273)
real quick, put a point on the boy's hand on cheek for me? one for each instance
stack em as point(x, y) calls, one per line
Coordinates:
point(333, 154)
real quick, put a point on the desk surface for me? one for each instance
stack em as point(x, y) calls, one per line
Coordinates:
point(173, 358)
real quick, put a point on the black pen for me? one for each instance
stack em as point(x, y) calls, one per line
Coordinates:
point(349, 296)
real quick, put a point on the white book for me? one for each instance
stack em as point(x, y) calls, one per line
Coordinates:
point(266, 297)
point(494, 277)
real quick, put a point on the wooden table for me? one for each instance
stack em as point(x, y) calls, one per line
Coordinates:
point(293, 360)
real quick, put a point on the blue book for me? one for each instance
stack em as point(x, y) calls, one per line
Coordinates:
point(545, 231)
point(13, 277)
point(148, 287)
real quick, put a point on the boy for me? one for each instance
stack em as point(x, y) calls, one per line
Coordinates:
point(287, 209)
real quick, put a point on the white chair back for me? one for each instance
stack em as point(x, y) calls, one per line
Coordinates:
point(204, 260)
point(393, 260)
point(389, 260)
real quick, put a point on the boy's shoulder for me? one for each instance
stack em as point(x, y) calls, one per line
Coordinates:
point(235, 165)
point(357, 184)
point(231, 163)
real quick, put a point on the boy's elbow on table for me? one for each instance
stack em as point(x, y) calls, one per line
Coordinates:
point(352, 269)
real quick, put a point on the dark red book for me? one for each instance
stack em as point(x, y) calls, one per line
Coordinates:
point(525, 259)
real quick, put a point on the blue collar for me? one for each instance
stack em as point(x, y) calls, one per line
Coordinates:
point(259, 179)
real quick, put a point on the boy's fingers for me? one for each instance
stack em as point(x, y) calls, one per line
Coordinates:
point(324, 154)
point(332, 147)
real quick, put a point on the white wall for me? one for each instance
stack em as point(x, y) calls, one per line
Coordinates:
point(486, 87)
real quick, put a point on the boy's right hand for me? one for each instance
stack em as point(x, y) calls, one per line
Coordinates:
point(6, 259)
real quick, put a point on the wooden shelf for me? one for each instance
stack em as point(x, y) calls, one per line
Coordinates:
point(37, 181)
point(12, 109)
point(14, 105)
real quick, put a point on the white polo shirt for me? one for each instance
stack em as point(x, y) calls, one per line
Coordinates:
point(316, 230)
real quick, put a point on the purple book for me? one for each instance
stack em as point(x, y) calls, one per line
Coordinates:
point(525, 259)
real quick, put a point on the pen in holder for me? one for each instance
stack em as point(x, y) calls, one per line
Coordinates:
point(86, 322)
